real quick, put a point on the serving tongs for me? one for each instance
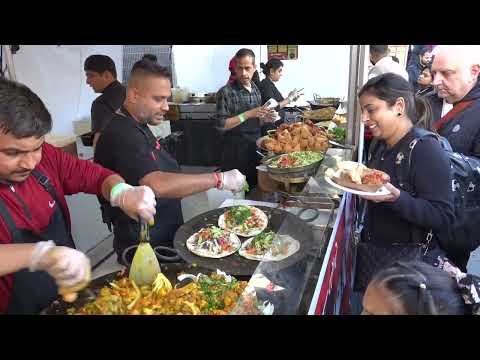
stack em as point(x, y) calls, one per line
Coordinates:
point(341, 146)
point(306, 201)
point(145, 266)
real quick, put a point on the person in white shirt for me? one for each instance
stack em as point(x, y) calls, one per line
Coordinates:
point(383, 63)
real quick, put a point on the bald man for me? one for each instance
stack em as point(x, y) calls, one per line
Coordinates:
point(455, 71)
point(128, 145)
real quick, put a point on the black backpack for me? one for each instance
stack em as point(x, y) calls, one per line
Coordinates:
point(464, 236)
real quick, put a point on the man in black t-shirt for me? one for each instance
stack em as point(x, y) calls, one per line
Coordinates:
point(102, 78)
point(128, 146)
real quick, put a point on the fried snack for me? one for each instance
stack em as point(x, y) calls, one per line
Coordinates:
point(357, 176)
point(339, 119)
point(297, 137)
point(270, 144)
point(321, 144)
point(320, 114)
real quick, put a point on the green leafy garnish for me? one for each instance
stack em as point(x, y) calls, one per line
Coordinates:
point(262, 242)
point(339, 133)
point(213, 289)
point(216, 232)
point(239, 214)
point(246, 188)
point(208, 233)
point(296, 159)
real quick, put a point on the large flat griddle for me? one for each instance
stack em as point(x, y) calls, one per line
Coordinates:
point(279, 221)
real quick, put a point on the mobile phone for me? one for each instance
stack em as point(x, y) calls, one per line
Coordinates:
point(270, 104)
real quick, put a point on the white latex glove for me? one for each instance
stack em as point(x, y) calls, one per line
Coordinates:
point(233, 180)
point(69, 267)
point(270, 116)
point(135, 201)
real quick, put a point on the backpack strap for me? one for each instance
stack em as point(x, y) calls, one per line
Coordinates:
point(406, 179)
point(402, 170)
point(458, 108)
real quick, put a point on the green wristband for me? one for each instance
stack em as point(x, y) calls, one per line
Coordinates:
point(242, 117)
point(118, 188)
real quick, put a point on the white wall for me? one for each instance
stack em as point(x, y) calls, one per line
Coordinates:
point(321, 69)
point(204, 67)
point(55, 73)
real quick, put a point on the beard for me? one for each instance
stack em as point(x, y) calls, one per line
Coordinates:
point(152, 119)
point(16, 177)
point(148, 117)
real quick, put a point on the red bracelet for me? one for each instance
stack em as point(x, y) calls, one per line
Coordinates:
point(218, 179)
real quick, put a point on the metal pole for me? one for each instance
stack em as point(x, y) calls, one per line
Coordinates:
point(7, 53)
point(355, 81)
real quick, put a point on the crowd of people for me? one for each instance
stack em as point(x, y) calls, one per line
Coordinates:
point(425, 134)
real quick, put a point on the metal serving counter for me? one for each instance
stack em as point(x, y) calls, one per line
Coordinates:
point(299, 281)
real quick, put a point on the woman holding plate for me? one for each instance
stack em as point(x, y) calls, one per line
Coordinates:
point(402, 225)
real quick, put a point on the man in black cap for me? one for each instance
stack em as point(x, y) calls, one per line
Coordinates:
point(102, 78)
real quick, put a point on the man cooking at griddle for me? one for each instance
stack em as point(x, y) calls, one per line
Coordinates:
point(128, 147)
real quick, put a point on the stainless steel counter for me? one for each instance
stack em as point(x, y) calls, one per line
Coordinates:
point(303, 277)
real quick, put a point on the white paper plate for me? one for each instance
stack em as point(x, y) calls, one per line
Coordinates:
point(380, 192)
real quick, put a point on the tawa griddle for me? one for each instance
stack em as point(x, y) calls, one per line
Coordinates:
point(279, 221)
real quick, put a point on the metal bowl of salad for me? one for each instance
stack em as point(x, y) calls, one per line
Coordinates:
point(295, 163)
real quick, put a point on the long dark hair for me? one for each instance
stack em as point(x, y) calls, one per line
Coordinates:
point(271, 64)
point(389, 87)
point(422, 289)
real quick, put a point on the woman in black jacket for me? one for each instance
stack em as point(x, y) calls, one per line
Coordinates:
point(273, 71)
point(390, 110)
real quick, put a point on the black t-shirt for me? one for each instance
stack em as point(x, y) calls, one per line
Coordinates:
point(104, 107)
point(269, 91)
point(129, 149)
point(132, 151)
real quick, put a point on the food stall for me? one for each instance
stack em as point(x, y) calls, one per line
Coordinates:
point(316, 278)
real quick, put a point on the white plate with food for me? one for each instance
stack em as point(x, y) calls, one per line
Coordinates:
point(357, 179)
point(213, 242)
point(269, 246)
point(243, 220)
